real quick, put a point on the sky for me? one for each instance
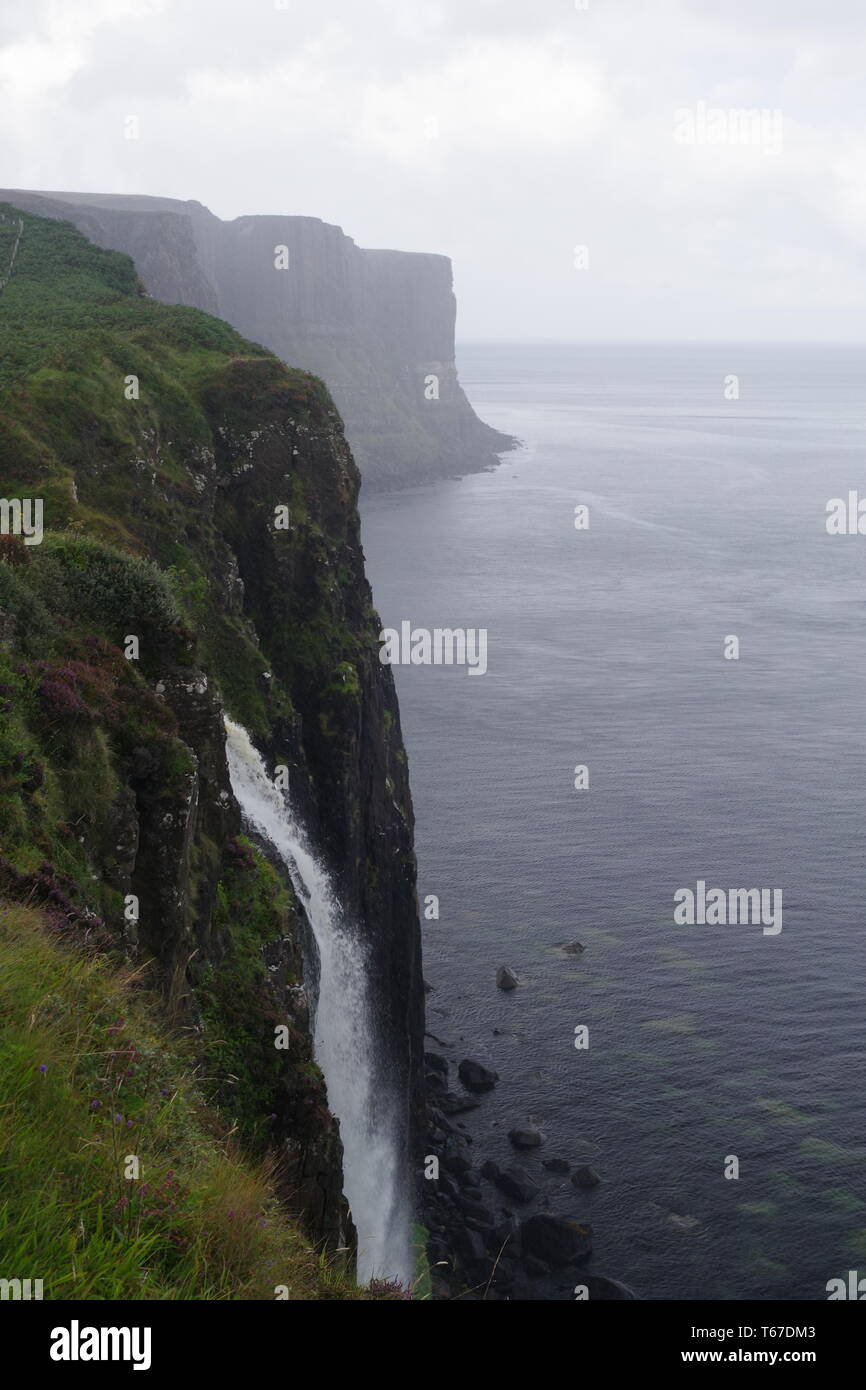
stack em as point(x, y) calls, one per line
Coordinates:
point(586, 164)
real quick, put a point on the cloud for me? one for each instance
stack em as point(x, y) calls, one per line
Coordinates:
point(490, 96)
point(499, 133)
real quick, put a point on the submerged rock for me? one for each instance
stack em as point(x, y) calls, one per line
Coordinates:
point(555, 1240)
point(585, 1178)
point(505, 978)
point(452, 1104)
point(555, 1165)
point(476, 1077)
point(525, 1138)
point(684, 1223)
point(517, 1184)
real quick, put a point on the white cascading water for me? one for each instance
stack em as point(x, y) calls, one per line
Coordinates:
point(374, 1177)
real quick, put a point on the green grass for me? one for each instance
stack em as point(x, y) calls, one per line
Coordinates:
point(422, 1288)
point(80, 1046)
point(66, 294)
point(252, 908)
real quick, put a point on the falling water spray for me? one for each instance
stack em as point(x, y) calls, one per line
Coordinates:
point(359, 1093)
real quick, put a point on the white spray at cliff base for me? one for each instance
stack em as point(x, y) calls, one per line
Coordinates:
point(375, 1180)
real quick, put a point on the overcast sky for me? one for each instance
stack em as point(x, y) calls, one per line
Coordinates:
point(504, 133)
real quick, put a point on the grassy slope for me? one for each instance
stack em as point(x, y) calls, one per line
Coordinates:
point(88, 1076)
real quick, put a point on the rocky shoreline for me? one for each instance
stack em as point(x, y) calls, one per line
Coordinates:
point(490, 1234)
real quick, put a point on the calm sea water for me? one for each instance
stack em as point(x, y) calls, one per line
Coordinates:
point(707, 518)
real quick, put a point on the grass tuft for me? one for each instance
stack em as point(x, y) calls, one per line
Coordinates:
point(91, 1080)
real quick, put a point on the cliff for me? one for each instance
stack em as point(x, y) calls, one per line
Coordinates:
point(376, 326)
point(201, 555)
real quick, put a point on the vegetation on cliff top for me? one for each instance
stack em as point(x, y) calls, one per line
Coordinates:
point(149, 471)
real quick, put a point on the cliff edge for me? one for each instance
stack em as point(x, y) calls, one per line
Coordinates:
point(376, 326)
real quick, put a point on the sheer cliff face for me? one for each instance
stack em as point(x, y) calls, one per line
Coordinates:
point(376, 326)
point(161, 512)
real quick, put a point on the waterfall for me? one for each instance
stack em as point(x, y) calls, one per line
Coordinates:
point(374, 1177)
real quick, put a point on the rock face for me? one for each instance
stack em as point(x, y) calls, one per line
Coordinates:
point(376, 326)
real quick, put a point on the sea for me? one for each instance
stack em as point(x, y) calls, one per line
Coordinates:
point(675, 695)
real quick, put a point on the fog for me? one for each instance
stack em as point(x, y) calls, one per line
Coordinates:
point(502, 134)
